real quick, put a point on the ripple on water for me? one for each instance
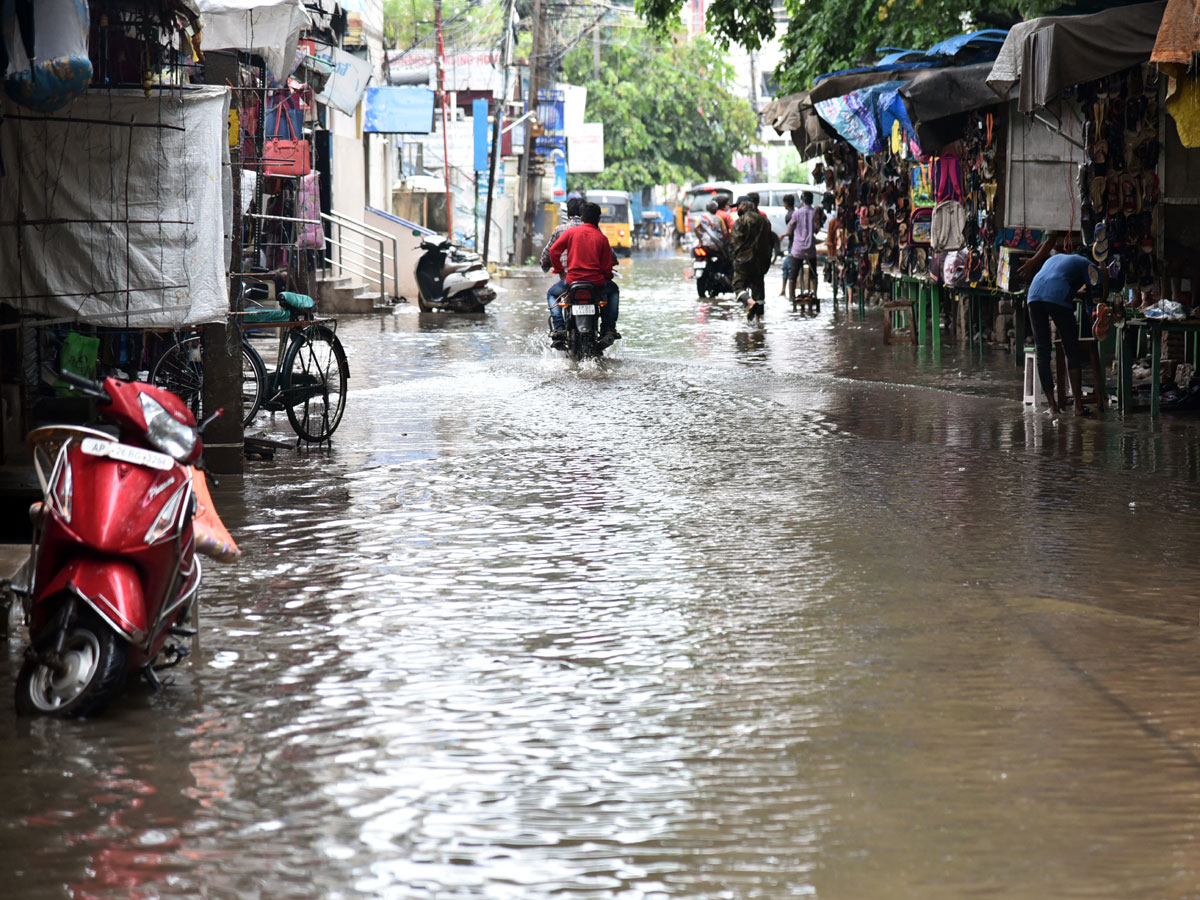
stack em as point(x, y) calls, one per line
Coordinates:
point(707, 619)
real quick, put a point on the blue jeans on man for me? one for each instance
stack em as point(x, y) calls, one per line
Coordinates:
point(608, 313)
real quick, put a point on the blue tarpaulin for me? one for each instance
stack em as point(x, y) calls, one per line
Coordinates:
point(399, 110)
point(864, 117)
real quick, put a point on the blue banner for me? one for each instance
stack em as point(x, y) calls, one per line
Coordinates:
point(399, 110)
point(479, 117)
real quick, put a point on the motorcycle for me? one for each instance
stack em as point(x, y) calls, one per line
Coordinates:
point(581, 305)
point(113, 567)
point(712, 270)
point(450, 278)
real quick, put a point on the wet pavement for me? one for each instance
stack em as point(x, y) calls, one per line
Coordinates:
point(741, 612)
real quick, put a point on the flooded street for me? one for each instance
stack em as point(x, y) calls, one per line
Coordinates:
point(742, 612)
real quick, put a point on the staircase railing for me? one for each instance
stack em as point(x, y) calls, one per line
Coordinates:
point(356, 248)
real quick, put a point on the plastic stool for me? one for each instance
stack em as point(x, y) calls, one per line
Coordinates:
point(1032, 388)
point(895, 312)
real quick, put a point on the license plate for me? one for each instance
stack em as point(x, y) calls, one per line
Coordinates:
point(698, 267)
point(125, 453)
point(583, 309)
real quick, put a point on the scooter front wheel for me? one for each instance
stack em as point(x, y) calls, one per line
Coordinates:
point(86, 677)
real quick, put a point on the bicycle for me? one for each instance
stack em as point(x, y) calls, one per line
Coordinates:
point(308, 381)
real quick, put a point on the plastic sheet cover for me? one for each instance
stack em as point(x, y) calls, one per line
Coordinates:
point(270, 28)
point(122, 204)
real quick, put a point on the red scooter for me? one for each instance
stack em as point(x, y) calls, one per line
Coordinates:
point(113, 564)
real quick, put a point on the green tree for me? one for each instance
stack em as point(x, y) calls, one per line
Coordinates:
point(825, 35)
point(465, 23)
point(669, 116)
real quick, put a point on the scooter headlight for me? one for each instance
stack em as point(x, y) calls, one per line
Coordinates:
point(166, 432)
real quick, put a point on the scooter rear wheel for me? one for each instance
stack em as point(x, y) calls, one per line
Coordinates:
point(92, 672)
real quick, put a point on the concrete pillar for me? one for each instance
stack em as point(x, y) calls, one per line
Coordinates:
point(223, 390)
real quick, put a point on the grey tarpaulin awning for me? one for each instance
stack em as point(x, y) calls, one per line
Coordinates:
point(938, 93)
point(936, 100)
point(1048, 55)
point(795, 114)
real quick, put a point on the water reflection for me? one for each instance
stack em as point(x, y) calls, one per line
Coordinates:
point(741, 612)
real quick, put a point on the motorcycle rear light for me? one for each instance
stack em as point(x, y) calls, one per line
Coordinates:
point(700, 251)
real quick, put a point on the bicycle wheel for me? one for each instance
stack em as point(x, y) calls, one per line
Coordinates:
point(313, 382)
point(180, 370)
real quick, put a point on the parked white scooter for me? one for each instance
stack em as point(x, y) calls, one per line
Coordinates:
point(451, 278)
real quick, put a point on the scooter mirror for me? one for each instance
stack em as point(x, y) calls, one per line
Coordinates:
point(416, 233)
point(209, 420)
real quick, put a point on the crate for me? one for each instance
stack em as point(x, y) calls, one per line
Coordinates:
point(1007, 278)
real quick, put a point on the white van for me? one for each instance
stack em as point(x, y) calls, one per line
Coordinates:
point(770, 204)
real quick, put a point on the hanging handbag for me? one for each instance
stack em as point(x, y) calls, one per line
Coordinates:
point(284, 156)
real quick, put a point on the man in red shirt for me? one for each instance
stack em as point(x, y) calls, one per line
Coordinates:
point(589, 258)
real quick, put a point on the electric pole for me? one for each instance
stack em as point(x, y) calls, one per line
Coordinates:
point(501, 108)
point(441, 79)
point(528, 199)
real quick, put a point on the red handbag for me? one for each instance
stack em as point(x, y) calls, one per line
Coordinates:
point(283, 156)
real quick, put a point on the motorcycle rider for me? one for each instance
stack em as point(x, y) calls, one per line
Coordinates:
point(753, 247)
point(724, 212)
point(589, 257)
point(574, 207)
point(713, 236)
point(711, 231)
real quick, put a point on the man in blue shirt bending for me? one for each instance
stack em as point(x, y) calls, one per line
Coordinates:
point(1051, 298)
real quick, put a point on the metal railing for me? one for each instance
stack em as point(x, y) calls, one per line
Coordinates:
point(361, 249)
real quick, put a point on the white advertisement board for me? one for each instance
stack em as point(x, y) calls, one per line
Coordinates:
point(585, 148)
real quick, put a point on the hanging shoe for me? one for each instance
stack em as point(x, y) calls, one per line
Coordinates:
point(1101, 325)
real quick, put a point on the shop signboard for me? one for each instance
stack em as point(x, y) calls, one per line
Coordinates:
point(399, 110)
point(559, 193)
point(548, 145)
point(464, 70)
point(550, 112)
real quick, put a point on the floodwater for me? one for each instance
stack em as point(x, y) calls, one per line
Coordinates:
point(742, 612)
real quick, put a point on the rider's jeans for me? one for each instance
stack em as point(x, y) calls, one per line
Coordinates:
point(608, 315)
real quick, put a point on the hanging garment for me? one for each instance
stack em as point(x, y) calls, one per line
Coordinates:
point(46, 46)
point(308, 206)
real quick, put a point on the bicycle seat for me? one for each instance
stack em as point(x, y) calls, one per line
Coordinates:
point(296, 302)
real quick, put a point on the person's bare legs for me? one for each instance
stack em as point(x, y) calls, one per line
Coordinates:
point(1076, 379)
point(791, 289)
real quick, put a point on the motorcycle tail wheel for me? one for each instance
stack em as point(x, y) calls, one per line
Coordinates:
point(94, 663)
point(583, 345)
point(701, 286)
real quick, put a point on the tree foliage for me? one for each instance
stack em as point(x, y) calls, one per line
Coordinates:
point(409, 24)
point(826, 35)
point(668, 116)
